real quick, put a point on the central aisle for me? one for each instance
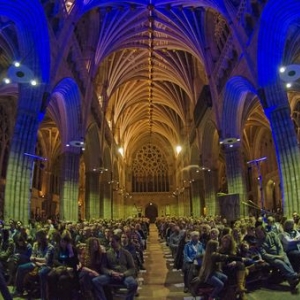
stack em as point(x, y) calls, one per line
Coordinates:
point(161, 281)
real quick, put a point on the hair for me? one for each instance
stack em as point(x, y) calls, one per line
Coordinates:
point(231, 249)
point(92, 257)
point(207, 263)
point(42, 235)
point(116, 237)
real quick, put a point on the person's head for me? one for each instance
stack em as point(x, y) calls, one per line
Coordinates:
point(288, 225)
point(107, 233)
point(211, 246)
point(12, 223)
point(251, 230)
point(93, 245)
point(176, 229)
point(260, 232)
point(228, 244)
point(41, 237)
point(194, 235)
point(244, 247)
point(214, 234)
point(115, 241)
point(65, 240)
point(19, 224)
point(124, 239)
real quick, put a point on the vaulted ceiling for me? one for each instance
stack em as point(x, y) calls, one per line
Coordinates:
point(149, 66)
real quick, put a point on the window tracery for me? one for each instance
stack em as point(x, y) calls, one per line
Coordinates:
point(150, 170)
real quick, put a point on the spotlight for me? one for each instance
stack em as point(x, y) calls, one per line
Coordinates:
point(288, 85)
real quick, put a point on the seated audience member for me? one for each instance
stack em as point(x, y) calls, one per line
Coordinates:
point(174, 240)
point(91, 259)
point(272, 225)
point(61, 279)
point(7, 246)
point(272, 252)
point(119, 269)
point(234, 268)
point(126, 244)
point(41, 258)
point(192, 259)
point(3, 287)
point(290, 239)
point(211, 272)
point(105, 239)
point(254, 261)
point(21, 255)
point(214, 234)
point(250, 236)
point(204, 234)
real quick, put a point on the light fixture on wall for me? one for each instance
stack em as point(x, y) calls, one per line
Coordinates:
point(19, 73)
point(230, 142)
point(289, 74)
point(80, 143)
point(101, 170)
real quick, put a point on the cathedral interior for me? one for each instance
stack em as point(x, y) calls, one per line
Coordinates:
point(116, 109)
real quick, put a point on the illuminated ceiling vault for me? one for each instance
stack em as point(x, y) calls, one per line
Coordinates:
point(149, 67)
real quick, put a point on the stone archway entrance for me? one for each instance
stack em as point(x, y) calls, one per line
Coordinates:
point(151, 212)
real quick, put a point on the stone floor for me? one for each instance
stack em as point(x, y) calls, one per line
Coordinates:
point(161, 282)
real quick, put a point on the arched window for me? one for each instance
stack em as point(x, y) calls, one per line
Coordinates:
point(150, 170)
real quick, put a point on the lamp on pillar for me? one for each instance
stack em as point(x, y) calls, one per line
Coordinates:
point(230, 142)
point(289, 74)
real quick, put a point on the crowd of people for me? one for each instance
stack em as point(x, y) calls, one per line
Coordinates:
point(53, 261)
point(223, 256)
point(88, 260)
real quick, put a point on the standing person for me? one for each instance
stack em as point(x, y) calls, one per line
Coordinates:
point(192, 259)
point(120, 269)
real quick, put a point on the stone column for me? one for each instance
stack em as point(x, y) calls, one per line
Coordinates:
point(105, 190)
point(20, 166)
point(68, 204)
point(195, 194)
point(235, 175)
point(92, 210)
point(288, 157)
point(210, 181)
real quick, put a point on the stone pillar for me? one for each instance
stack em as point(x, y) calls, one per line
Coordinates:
point(195, 192)
point(20, 166)
point(210, 180)
point(288, 157)
point(68, 204)
point(92, 210)
point(105, 190)
point(235, 175)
